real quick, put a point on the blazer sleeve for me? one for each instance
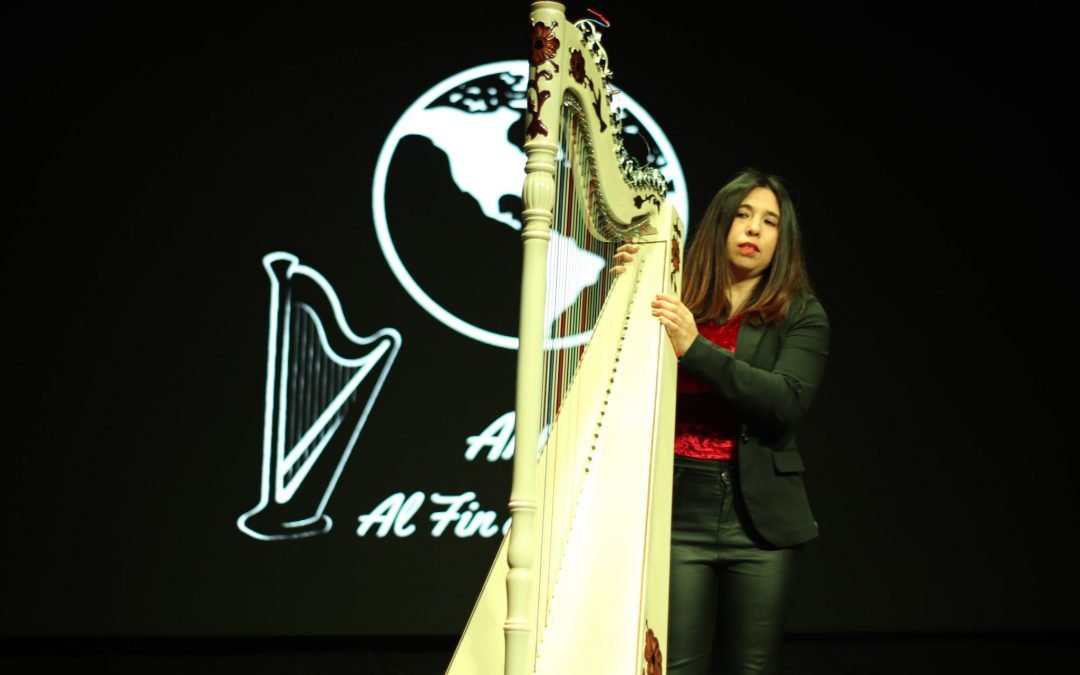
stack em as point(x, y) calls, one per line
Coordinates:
point(779, 395)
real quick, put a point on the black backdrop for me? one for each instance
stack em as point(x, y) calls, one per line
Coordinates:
point(159, 151)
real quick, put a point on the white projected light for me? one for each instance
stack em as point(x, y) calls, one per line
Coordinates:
point(321, 382)
point(473, 132)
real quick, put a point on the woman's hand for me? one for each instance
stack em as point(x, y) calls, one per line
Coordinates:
point(624, 255)
point(677, 319)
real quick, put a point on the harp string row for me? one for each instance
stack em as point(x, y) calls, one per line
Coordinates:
point(315, 380)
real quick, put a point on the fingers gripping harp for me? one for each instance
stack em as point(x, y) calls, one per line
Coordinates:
point(580, 583)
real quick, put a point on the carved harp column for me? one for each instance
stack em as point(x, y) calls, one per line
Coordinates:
point(580, 583)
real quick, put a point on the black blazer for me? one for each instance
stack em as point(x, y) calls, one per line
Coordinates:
point(770, 381)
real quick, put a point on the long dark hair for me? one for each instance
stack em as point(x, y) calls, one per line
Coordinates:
point(707, 274)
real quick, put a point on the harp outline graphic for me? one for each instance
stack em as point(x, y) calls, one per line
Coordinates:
point(301, 455)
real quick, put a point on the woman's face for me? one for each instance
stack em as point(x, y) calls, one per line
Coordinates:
point(751, 242)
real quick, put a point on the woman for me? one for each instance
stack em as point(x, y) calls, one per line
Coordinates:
point(752, 342)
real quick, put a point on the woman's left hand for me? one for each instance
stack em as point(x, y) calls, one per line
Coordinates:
point(624, 255)
point(677, 319)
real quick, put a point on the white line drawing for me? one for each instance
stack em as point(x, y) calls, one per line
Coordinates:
point(321, 382)
point(486, 163)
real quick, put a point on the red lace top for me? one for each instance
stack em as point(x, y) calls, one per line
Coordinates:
point(705, 428)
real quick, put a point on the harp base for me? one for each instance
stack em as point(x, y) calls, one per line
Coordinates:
point(263, 524)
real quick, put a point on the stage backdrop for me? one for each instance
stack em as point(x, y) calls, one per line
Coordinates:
point(181, 172)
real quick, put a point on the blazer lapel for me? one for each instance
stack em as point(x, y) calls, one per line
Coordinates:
point(746, 344)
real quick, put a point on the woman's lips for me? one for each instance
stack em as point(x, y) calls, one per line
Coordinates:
point(747, 247)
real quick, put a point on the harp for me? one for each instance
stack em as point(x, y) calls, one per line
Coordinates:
point(580, 583)
point(321, 382)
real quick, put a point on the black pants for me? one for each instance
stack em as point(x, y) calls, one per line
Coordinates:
point(729, 588)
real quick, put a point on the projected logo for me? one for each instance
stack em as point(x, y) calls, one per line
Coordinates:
point(321, 382)
point(465, 133)
point(445, 199)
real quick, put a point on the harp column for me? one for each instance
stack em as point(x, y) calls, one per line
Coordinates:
point(538, 198)
point(521, 553)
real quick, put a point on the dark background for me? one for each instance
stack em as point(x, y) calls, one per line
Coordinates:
point(157, 152)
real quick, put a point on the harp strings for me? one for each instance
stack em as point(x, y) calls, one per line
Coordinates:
point(315, 380)
point(575, 254)
point(579, 282)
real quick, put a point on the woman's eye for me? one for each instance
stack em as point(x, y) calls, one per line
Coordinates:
point(771, 222)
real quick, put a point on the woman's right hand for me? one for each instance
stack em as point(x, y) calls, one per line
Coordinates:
point(624, 255)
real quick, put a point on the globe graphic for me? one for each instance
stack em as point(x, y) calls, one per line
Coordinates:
point(447, 192)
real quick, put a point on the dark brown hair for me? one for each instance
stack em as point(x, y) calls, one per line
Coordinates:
point(708, 272)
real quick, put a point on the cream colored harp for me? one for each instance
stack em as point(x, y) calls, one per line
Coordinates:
point(580, 582)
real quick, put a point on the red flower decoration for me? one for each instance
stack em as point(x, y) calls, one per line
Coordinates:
point(577, 66)
point(544, 43)
point(654, 660)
